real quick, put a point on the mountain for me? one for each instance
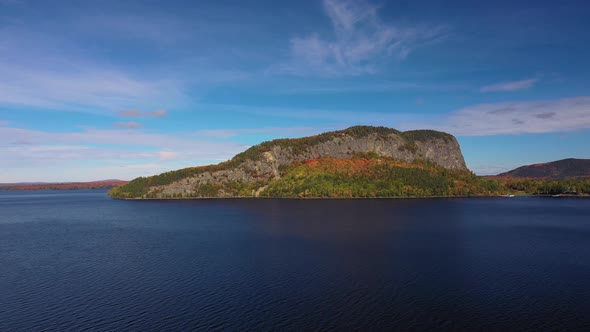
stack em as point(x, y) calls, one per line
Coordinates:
point(62, 186)
point(359, 157)
point(562, 169)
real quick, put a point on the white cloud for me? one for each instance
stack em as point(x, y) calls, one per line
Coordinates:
point(361, 43)
point(510, 86)
point(523, 117)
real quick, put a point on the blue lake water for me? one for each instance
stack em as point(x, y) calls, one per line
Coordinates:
point(75, 260)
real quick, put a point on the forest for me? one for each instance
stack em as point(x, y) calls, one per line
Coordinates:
point(546, 186)
point(376, 177)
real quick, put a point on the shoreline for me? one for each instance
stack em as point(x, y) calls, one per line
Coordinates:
point(341, 198)
point(54, 189)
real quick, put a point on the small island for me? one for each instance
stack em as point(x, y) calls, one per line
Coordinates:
point(358, 162)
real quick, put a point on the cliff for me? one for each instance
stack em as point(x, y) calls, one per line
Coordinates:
point(249, 173)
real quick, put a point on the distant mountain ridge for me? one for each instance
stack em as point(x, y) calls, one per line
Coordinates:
point(63, 185)
point(249, 173)
point(570, 168)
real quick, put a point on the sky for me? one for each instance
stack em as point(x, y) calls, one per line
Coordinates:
point(93, 90)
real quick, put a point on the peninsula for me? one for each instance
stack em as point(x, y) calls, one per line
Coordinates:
point(358, 162)
point(361, 161)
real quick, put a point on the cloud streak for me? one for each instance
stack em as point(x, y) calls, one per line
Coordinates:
point(381, 86)
point(279, 131)
point(67, 78)
point(128, 125)
point(510, 86)
point(109, 151)
point(361, 42)
point(136, 138)
point(135, 113)
point(526, 117)
point(167, 155)
point(89, 89)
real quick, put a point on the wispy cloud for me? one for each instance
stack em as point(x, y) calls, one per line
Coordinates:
point(278, 131)
point(67, 78)
point(135, 113)
point(130, 113)
point(168, 155)
point(329, 119)
point(128, 125)
point(362, 42)
point(143, 166)
point(510, 86)
point(546, 115)
point(526, 117)
point(3, 123)
point(379, 86)
point(88, 90)
point(145, 26)
point(115, 147)
point(137, 138)
point(325, 119)
point(217, 133)
point(158, 113)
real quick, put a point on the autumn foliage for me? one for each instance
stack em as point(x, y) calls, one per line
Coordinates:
point(373, 177)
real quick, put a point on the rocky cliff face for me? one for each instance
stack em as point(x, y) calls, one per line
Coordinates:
point(251, 171)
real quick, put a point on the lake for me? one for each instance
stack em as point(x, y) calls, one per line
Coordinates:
point(75, 260)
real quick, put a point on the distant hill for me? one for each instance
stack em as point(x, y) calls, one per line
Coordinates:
point(557, 170)
point(361, 161)
point(63, 186)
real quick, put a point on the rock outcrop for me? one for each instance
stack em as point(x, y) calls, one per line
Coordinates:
point(248, 173)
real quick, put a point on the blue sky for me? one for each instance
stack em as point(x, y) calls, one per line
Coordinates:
point(117, 89)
